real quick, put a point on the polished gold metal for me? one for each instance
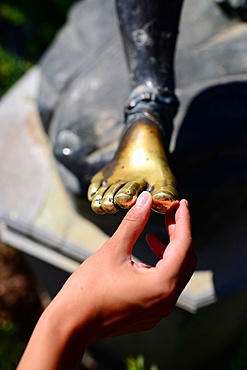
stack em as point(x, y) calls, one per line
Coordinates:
point(140, 163)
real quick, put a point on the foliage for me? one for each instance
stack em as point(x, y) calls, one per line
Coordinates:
point(11, 346)
point(12, 67)
point(239, 360)
point(138, 363)
point(26, 30)
point(30, 24)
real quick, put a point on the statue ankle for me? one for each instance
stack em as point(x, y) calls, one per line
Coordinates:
point(159, 104)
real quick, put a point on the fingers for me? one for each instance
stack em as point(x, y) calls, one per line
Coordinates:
point(179, 250)
point(178, 225)
point(155, 244)
point(133, 224)
point(183, 228)
point(179, 260)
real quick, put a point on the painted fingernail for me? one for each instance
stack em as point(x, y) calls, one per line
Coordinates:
point(143, 198)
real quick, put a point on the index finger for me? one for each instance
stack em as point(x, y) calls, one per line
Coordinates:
point(132, 225)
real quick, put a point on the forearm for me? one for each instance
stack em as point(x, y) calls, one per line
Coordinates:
point(55, 343)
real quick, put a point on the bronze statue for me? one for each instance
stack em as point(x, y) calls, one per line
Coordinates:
point(82, 139)
point(149, 31)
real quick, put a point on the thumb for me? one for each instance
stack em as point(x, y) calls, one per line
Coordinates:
point(133, 224)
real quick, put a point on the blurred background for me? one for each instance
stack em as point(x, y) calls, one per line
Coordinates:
point(26, 31)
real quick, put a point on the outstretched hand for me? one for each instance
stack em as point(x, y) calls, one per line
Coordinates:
point(110, 294)
point(131, 296)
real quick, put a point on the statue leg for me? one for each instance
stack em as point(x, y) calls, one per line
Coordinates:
point(149, 30)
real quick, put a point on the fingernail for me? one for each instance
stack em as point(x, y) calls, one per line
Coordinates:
point(142, 199)
point(186, 203)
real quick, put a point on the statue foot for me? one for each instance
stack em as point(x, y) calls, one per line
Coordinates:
point(140, 163)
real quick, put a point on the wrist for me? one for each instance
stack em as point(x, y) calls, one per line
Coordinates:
point(64, 320)
point(62, 338)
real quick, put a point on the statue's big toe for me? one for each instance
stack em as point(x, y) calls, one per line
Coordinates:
point(165, 199)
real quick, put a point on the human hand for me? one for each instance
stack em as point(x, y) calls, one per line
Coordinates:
point(119, 296)
point(110, 294)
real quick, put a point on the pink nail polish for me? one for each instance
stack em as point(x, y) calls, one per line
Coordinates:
point(142, 199)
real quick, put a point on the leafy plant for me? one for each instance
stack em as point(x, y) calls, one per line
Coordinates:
point(239, 360)
point(26, 30)
point(11, 346)
point(29, 27)
point(12, 67)
point(138, 363)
